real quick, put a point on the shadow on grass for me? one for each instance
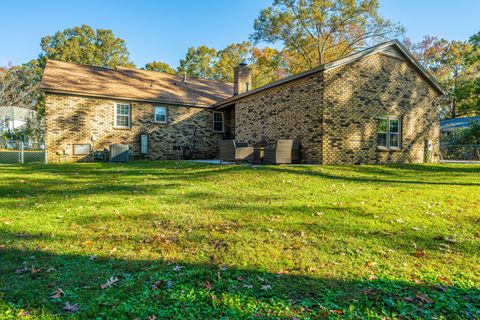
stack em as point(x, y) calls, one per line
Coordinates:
point(374, 174)
point(190, 290)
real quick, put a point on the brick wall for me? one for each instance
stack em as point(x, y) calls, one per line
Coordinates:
point(356, 94)
point(75, 120)
point(289, 111)
point(335, 113)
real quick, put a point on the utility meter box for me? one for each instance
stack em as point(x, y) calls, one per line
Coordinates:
point(429, 145)
point(143, 144)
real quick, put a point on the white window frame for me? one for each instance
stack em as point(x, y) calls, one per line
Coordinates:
point(388, 132)
point(129, 116)
point(155, 114)
point(223, 121)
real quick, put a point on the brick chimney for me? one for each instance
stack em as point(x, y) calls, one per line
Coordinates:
point(242, 79)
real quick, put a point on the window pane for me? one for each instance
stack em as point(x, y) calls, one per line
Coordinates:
point(217, 126)
point(122, 121)
point(394, 125)
point(217, 116)
point(382, 125)
point(382, 139)
point(160, 114)
point(123, 109)
point(218, 121)
point(394, 141)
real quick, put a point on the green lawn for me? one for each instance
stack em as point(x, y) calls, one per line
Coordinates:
point(196, 241)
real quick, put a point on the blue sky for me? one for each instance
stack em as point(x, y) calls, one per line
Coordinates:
point(163, 30)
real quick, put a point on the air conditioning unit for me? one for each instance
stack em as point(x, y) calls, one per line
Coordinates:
point(119, 152)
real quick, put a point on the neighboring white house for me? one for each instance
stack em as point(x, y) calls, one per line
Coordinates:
point(14, 118)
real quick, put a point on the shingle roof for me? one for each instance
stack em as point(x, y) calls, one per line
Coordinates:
point(457, 123)
point(132, 84)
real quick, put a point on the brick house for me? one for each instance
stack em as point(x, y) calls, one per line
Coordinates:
point(375, 106)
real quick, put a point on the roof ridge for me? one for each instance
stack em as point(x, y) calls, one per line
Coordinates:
point(123, 68)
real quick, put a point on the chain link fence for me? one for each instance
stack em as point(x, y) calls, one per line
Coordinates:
point(18, 152)
point(452, 152)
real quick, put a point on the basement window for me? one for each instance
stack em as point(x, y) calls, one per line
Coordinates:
point(218, 123)
point(81, 149)
point(388, 133)
point(122, 115)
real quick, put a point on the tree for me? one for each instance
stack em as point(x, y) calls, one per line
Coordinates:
point(160, 66)
point(229, 58)
point(16, 89)
point(315, 32)
point(268, 65)
point(428, 51)
point(456, 65)
point(459, 73)
point(86, 46)
point(199, 62)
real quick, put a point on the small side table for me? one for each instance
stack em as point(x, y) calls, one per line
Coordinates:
point(258, 155)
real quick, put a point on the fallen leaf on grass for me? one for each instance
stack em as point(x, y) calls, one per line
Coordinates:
point(177, 268)
point(87, 243)
point(423, 298)
point(22, 270)
point(266, 287)
point(112, 281)
point(57, 294)
point(22, 313)
point(420, 253)
point(51, 269)
point(207, 285)
point(114, 249)
point(36, 270)
point(369, 292)
point(443, 279)
point(91, 258)
point(70, 307)
point(158, 284)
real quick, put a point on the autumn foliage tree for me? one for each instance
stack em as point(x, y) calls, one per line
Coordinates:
point(314, 32)
point(456, 64)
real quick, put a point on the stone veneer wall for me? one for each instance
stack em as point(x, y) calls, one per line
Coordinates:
point(289, 111)
point(74, 120)
point(356, 94)
point(334, 113)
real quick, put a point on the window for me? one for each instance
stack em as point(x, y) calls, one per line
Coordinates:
point(122, 115)
point(81, 149)
point(388, 133)
point(218, 121)
point(160, 114)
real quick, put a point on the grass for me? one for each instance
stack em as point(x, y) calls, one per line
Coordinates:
point(197, 241)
